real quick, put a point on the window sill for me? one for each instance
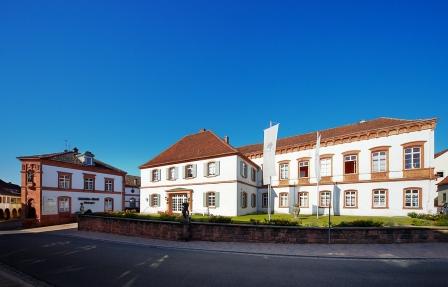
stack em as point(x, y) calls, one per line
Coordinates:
point(380, 207)
point(209, 176)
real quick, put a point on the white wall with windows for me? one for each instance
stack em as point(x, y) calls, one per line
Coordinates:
point(132, 197)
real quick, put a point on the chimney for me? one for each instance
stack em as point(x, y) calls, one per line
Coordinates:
point(227, 140)
point(202, 130)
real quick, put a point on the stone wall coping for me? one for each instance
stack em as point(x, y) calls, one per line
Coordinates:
point(443, 228)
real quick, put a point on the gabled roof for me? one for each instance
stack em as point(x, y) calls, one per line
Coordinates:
point(132, 181)
point(444, 181)
point(440, 153)
point(202, 145)
point(71, 157)
point(363, 126)
point(9, 188)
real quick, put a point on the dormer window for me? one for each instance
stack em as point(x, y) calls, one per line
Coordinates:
point(88, 160)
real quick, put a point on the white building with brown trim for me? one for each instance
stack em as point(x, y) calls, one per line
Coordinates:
point(56, 186)
point(10, 206)
point(379, 167)
point(132, 192)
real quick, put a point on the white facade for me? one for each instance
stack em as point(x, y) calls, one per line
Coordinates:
point(97, 200)
point(228, 185)
point(132, 197)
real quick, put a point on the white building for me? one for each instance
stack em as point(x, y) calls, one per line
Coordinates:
point(55, 186)
point(379, 167)
point(132, 192)
point(441, 168)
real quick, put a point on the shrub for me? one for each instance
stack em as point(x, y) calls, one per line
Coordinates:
point(219, 219)
point(282, 222)
point(254, 221)
point(164, 216)
point(361, 223)
point(424, 216)
point(412, 214)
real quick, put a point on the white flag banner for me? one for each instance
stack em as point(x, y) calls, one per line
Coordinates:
point(317, 158)
point(269, 147)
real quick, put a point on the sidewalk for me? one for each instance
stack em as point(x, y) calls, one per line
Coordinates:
point(420, 251)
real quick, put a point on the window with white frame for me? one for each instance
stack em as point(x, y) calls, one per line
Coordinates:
point(64, 204)
point(109, 184)
point(155, 199)
point(155, 175)
point(324, 198)
point(379, 198)
point(412, 157)
point(172, 173)
point(243, 169)
point(283, 198)
point(284, 171)
point(64, 181)
point(303, 199)
point(211, 168)
point(350, 200)
point(189, 171)
point(379, 161)
point(264, 200)
point(211, 199)
point(89, 183)
point(325, 167)
point(412, 198)
point(108, 204)
point(351, 164)
point(304, 169)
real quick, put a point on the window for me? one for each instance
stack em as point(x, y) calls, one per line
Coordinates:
point(379, 161)
point(88, 160)
point(155, 200)
point(304, 169)
point(64, 181)
point(284, 171)
point(189, 171)
point(412, 198)
point(253, 200)
point(172, 174)
point(325, 167)
point(64, 204)
point(412, 157)
point(108, 184)
point(243, 199)
point(303, 199)
point(155, 175)
point(89, 183)
point(350, 164)
point(283, 199)
point(243, 169)
point(324, 198)
point(108, 204)
point(351, 199)
point(211, 168)
point(379, 198)
point(211, 199)
point(253, 174)
point(264, 200)
point(443, 198)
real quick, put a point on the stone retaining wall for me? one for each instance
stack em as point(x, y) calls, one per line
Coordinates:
point(258, 233)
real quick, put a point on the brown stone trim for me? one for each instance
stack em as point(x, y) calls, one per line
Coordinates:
point(420, 194)
point(113, 183)
point(308, 197)
point(305, 179)
point(320, 194)
point(81, 167)
point(327, 155)
point(351, 176)
point(284, 181)
point(60, 174)
point(49, 188)
point(356, 195)
point(421, 145)
point(380, 148)
point(380, 174)
point(362, 181)
point(387, 198)
point(280, 201)
point(351, 152)
point(419, 173)
point(305, 158)
point(200, 183)
point(284, 161)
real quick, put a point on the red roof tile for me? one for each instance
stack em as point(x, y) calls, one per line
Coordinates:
point(364, 126)
point(204, 144)
point(444, 181)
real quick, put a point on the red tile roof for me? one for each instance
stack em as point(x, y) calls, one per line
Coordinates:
point(202, 145)
point(379, 123)
point(132, 181)
point(440, 153)
point(444, 181)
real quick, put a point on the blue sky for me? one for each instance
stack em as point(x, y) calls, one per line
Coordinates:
point(125, 79)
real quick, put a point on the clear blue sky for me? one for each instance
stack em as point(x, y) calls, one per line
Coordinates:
point(125, 79)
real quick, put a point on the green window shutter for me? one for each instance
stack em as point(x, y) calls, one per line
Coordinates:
point(158, 200)
point(204, 196)
point(217, 168)
point(216, 199)
point(205, 168)
point(194, 170)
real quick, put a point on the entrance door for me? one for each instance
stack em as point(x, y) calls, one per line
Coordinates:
point(177, 200)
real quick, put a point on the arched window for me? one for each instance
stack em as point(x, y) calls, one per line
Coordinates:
point(243, 199)
point(108, 204)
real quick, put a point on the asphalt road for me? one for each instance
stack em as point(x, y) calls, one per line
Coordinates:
point(69, 261)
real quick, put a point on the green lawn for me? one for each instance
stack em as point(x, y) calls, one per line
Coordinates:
point(311, 220)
